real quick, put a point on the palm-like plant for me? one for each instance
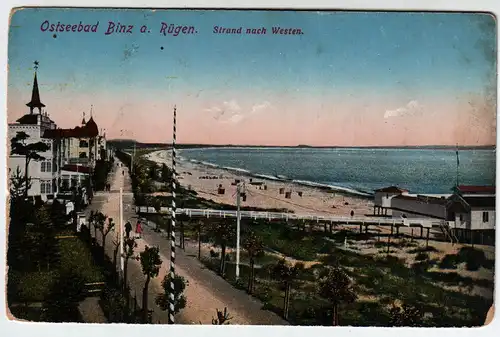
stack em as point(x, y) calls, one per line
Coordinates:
point(151, 263)
point(222, 317)
point(335, 286)
point(104, 228)
point(128, 253)
point(222, 233)
point(286, 274)
point(255, 248)
point(179, 286)
point(405, 315)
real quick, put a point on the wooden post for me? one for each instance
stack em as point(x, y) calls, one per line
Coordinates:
point(366, 229)
point(421, 231)
point(331, 228)
point(360, 228)
point(411, 240)
point(472, 238)
point(397, 230)
point(199, 240)
point(389, 241)
point(427, 239)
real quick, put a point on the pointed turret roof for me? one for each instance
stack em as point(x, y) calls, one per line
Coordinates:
point(35, 97)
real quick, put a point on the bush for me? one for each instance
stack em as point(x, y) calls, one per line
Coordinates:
point(423, 249)
point(420, 267)
point(421, 256)
point(449, 261)
point(474, 258)
point(214, 254)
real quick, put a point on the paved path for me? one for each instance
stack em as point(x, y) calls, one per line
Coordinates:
point(91, 311)
point(205, 292)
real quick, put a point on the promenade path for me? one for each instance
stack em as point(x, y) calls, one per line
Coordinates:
point(205, 291)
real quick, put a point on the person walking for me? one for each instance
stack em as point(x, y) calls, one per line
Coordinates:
point(138, 229)
point(128, 229)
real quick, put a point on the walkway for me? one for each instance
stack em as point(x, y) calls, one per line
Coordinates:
point(205, 292)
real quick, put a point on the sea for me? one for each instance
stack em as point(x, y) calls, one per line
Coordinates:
point(356, 170)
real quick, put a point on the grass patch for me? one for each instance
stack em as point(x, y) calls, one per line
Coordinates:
point(35, 286)
point(423, 249)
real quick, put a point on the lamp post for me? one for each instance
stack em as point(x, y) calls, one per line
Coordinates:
point(122, 261)
point(238, 226)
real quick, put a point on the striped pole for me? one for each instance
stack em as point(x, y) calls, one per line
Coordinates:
point(172, 230)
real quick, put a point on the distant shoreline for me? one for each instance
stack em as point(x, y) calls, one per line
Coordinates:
point(119, 143)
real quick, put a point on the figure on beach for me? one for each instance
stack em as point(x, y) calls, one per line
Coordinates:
point(138, 229)
point(128, 229)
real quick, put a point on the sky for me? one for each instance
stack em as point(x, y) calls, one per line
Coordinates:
point(350, 78)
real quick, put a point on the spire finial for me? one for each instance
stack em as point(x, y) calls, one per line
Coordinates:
point(35, 94)
point(91, 107)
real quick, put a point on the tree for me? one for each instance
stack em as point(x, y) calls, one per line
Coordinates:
point(179, 299)
point(335, 286)
point(62, 302)
point(20, 146)
point(58, 215)
point(18, 185)
point(286, 274)
point(182, 218)
point(222, 233)
point(100, 223)
point(255, 248)
point(150, 262)
point(222, 317)
point(21, 213)
point(48, 244)
point(130, 246)
point(405, 315)
point(166, 173)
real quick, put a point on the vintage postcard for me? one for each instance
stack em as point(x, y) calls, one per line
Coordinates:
point(251, 167)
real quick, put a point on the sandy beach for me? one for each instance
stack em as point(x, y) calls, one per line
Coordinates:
point(206, 180)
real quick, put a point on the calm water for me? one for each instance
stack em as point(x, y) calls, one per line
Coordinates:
point(419, 170)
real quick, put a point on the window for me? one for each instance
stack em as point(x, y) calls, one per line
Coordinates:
point(45, 187)
point(485, 216)
point(46, 166)
point(461, 217)
point(84, 143)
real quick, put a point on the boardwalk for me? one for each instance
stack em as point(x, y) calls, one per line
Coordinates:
point(205, 292)
point(214, 213)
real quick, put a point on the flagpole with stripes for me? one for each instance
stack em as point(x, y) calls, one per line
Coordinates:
point(172, 229)
point(458, 164)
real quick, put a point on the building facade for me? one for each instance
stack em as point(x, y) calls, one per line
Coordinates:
point(71, 156)
point(34, 124)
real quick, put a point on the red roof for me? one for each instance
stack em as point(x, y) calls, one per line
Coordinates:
point(89, 130)
point(476, 189)
point(392, 189)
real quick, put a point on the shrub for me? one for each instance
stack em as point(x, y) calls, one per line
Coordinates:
point(422, 256)
point(420, 267)
point(423, 249)
point(474, 258)
point(449, 261)
point(214, 254)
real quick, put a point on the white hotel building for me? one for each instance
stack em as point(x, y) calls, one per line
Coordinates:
point(72, 155)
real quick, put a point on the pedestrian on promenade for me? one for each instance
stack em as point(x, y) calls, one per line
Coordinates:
point(138, 229)
point(128, 229)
